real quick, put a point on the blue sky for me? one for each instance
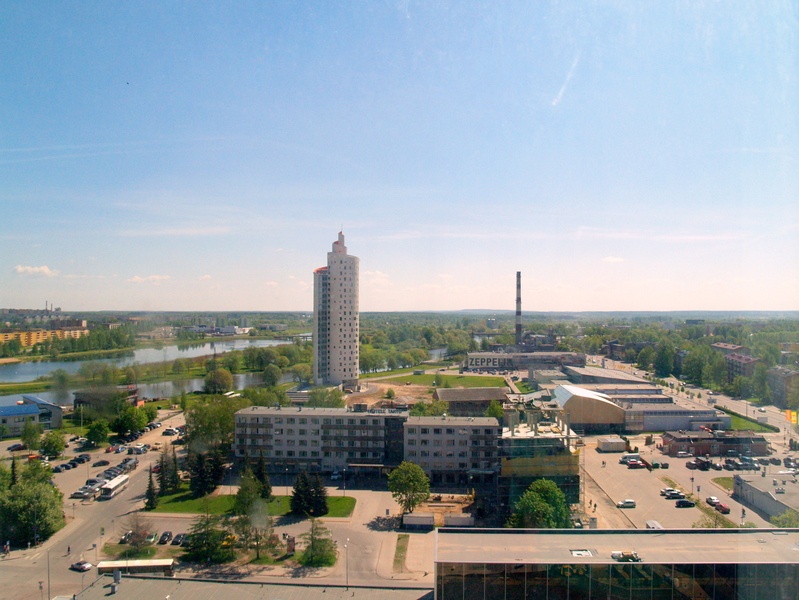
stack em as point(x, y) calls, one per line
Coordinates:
point(204, 155)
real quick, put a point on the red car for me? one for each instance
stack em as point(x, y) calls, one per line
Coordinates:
point(723, 508)
point(635, 464)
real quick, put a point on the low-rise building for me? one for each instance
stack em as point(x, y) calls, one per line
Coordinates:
point(454, 450)
point(13, 417)
point(769, 494)
point(714, 443)
point(320, 439)
point(783, 382)
point(616, 563)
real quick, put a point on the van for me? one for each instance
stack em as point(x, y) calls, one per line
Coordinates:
point(682, 454)
point(628, 503)
point(625, 458)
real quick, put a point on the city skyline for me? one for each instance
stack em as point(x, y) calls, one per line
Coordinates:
point(623, 158)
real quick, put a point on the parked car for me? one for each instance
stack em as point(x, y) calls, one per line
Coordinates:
point(675, 495)
point(723, 508)
point(125, 539)
point(667, 490)
point(16, 447)
point(713, 501)
point(81, 566)
point(101, 463)
point(626, 503)
point(166, 537)
point(151, 538)
point(58, 468)
point(683, 503)
point(178, 539)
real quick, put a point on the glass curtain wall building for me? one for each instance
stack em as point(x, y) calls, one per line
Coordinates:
point(614, 564)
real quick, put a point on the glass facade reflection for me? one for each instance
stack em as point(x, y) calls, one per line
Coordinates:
point(495, 581)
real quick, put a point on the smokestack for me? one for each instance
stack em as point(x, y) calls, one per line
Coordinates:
point(518, 308)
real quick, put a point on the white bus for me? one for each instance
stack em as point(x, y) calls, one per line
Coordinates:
point(113, 487)
point(165, 566)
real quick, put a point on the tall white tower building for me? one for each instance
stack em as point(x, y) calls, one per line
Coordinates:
point(336, 318)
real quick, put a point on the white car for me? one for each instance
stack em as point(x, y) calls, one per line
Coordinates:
point(713, 501)
point(81, 566)
point(626, 503)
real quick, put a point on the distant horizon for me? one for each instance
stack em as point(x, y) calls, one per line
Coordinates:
point(473, 311)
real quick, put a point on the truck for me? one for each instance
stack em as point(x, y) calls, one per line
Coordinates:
point(611, 444)
point(625, 556)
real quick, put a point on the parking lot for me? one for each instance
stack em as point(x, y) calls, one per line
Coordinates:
point(615, 482)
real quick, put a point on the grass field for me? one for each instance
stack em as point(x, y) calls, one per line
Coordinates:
point(222, 504)
point(725, 482)
point(740, 424)
point(454, 381)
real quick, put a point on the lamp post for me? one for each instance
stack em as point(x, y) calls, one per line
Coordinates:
point(287, 481)
point(347, 563)
point(344, 482)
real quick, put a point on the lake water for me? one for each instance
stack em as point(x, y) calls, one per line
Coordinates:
point(29, 371)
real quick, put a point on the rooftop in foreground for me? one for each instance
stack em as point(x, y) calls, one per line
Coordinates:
point(567, 546)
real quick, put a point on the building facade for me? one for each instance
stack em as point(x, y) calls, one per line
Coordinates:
point(336, 318)
point(322, 440)
point(451, 450)
point(783, 382)
point(744, 564)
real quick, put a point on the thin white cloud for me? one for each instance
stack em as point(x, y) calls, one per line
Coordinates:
point(43, 271)
point(177, 232)
point(556, 100)
point(206, 278)
point(613, 259)
point(155, 279)
point(375, 279)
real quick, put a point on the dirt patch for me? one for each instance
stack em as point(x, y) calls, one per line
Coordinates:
point(441, 505)
point(375, 394)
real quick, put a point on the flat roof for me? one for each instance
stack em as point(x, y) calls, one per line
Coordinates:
point(574, 546)
point(142, 586)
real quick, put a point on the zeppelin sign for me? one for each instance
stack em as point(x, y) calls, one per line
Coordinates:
point(490, 362)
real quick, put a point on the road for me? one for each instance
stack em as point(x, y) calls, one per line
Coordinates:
point(89, 526)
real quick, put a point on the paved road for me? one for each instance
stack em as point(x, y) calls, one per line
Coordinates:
point(21, 573)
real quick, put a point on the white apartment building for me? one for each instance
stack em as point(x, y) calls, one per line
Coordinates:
point(450, 449)
point(336, 319)
point(319, 439)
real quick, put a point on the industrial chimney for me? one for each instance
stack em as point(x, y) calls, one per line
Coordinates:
point(518, 308)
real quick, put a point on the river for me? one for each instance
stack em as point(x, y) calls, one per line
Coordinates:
point(29, 371)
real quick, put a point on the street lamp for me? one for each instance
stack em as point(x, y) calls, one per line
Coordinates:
point(344, 482)
point(287, 481)
point(692, 485)
point(347, 562)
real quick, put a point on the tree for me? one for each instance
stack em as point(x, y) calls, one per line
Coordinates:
point(53, 443)
point(150, 497)
point(664, 360)
point(317, 497)
point(130, 419)
point(390, 393)
point(788, 519)
point(302, 373)
point(301, 495)
point(263, 478)
point(249, 492)
point(320, 549)
point(139, 528)
point(30, 511)
point(542, 506)
point(495, 410)
point(409, 486)
point(325, 398)
point(645, 357)
point(218, 381)
point(272, 375)
point(206, 540)
point(98, 432)
point(173, 482)
point(31, 434)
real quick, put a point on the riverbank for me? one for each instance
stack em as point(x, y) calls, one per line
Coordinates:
point(8, 361)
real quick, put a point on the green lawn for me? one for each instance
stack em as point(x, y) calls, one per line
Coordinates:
point(725, 482)
point(455, 381)
point(741, 424)
point(221, 504)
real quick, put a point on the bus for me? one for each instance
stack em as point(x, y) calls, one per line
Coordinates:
point(164, 566)
point(113, 487)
